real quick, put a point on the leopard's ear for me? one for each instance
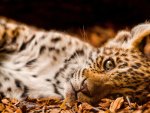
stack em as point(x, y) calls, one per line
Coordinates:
point(121, 40)
point(141, 38)
point(138, 38)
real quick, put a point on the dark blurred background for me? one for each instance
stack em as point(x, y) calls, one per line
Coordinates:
point(65, 14)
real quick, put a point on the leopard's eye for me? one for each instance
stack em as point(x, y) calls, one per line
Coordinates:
point(109, 64)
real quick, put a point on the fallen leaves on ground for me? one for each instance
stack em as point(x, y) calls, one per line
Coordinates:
point(53, 105)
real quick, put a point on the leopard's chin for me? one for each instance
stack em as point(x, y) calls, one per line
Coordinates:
point(85, 97)
point(92, 93)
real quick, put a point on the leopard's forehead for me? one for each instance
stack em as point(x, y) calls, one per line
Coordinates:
point(119, 53)
point(124, 59)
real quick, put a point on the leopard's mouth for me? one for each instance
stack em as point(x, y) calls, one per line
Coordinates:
point(85, 89)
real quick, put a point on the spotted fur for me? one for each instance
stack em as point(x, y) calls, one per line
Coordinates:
point(31, 60)
point(39, 63)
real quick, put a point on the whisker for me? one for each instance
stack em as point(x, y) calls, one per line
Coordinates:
point(84, 35)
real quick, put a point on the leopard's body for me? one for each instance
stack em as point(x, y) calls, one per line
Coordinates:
point(40, 63)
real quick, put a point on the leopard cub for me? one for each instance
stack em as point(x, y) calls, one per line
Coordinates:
point(39, 63)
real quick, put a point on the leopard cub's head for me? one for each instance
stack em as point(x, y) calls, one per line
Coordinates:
point(121, 67)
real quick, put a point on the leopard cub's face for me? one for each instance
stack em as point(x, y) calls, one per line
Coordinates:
point(119, 67)
point(115, 71)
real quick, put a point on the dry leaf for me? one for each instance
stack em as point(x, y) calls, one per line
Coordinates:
point(1, 107)
point(18, 111)
point(86, 106)
point(55, 111)
point(105, 103)
point(137, 111)
point(114, 106)
point(67, 111)
point(147, 111)
point(5, 101)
